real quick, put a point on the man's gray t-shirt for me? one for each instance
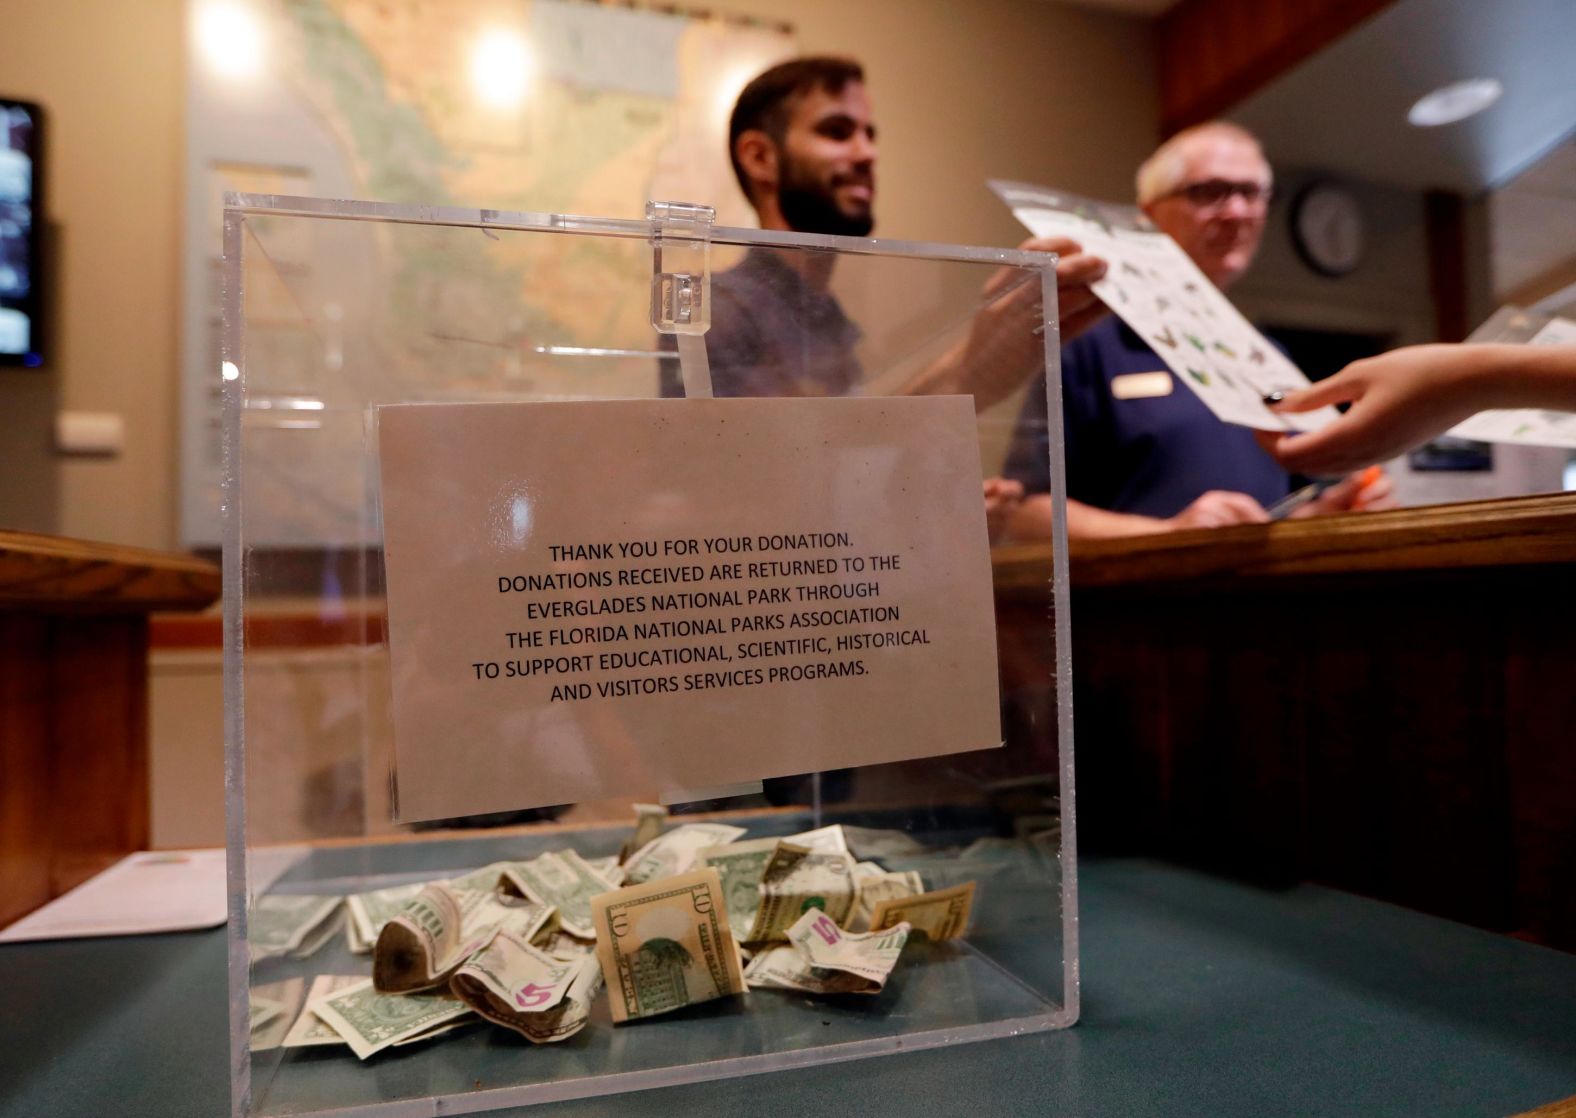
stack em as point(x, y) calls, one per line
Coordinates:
point(773, 334)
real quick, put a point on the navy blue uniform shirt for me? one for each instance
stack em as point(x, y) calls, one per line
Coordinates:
point(1152, 456)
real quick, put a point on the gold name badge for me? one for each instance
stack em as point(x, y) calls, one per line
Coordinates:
point(1142, 386)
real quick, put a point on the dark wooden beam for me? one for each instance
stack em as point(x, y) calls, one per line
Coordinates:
point(1445, 225)
point(1214, 53)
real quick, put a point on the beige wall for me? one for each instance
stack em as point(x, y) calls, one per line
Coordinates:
point(1022, 89)
point(1014, 88)
point(1387, 294)
point(109, 75)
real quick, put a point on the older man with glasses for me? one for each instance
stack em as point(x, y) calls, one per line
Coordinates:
point(1143, 453)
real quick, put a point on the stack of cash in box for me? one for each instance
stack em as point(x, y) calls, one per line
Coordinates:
point(679, 917)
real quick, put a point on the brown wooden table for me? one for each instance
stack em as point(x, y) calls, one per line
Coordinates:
point(1383, 702)
point(74, 705)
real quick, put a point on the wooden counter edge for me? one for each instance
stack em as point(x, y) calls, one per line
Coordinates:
point(50, 573)
point(1510, 531)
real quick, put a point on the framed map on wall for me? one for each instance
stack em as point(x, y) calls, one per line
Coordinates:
point(561, 106)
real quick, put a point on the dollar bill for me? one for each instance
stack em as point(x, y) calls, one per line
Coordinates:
point(370, 911)
point(574, 1011)
point(260, 1011)
point(822, 840)
point(284, 923)
point(872, 842)
point(563, 880)
point(649, 821)
point(370, 1022)
point(675, 852)
point(874, 885)
point(320, 935)
point(562, 945)
point(272, 1006)
point(513, 984)
point(826, 946)
point(487, 878)
point(436, 1031)
point(427, 939)
point(309, 1030)
point(353, 941)
point(740, 865)
point(606, 867)
point(797, 880)
point(665, 944)
point(941, 915)
point(821, 958)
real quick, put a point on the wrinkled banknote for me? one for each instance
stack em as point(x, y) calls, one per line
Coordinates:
point(649, 821)
point(875, 885)
point(796, 880)
point(563, 880)
point(370, 1022)
point(289, 924)
point(272, 1006)
point(370, 911)
point(665, 944)
point(740, 865)
point(941, 915)
point(821, 958)
point(870, 842)
point(487, 878)
point(309, 1030)
point(562, 945)
point(822, 840)
point(513, 984)
point(427, 939)
point(675, 852)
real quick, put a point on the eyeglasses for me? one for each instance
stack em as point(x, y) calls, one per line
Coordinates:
point(1213, 193)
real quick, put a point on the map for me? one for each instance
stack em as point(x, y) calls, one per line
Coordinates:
point(546, 106)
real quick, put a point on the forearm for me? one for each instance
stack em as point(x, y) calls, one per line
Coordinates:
point(1032, 520)
point(948, 375)
point(1518, 376)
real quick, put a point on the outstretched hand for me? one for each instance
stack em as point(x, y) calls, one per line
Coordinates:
point(1399, 400)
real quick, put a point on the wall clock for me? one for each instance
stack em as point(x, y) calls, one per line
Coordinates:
point(1327, 229)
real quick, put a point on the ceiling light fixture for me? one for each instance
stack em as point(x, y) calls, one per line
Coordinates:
point(1454, 102)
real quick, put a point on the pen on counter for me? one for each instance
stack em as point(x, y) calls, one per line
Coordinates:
point(1284, 507)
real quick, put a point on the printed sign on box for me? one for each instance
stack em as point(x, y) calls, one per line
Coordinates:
point(590, 599)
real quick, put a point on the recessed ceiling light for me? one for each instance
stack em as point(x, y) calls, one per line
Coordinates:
point(1454, 102)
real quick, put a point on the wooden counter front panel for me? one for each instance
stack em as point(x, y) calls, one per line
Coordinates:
point(73, 751)
point(74, 704)
point(1412, 739)
point(25, 805)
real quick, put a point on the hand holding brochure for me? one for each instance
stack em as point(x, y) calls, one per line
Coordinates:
point(1162, 295)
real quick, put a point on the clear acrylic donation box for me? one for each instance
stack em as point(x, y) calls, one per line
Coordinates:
point(624, 686)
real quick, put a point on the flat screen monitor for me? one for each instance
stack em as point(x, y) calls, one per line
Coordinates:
point(21, 148)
